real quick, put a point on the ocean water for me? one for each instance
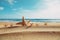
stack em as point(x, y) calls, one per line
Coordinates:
point(32, 20)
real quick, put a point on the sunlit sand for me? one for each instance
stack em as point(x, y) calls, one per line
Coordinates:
point(29, 24)
point(27, 30)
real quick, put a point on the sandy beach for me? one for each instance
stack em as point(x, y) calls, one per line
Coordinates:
point(34, 24)
point(38, 31)
point(31, 36)
point(29, 24)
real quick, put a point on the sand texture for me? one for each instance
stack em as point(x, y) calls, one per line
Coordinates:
point(34, 24)
point(31, 36)
point(38, 31)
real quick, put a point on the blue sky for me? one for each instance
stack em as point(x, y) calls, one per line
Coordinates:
point(49, 9)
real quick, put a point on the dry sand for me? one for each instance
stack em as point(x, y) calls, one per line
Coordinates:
point(36, 32)
point(36, 27)
point(35, 24)
point(31, 36)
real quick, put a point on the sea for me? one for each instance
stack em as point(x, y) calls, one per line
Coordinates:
point(32, 20)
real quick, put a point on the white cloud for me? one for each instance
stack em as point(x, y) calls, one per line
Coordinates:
point(51, 9)
point(1, 8)
point(15, 1)
point(14, 9)
point(11, 2)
